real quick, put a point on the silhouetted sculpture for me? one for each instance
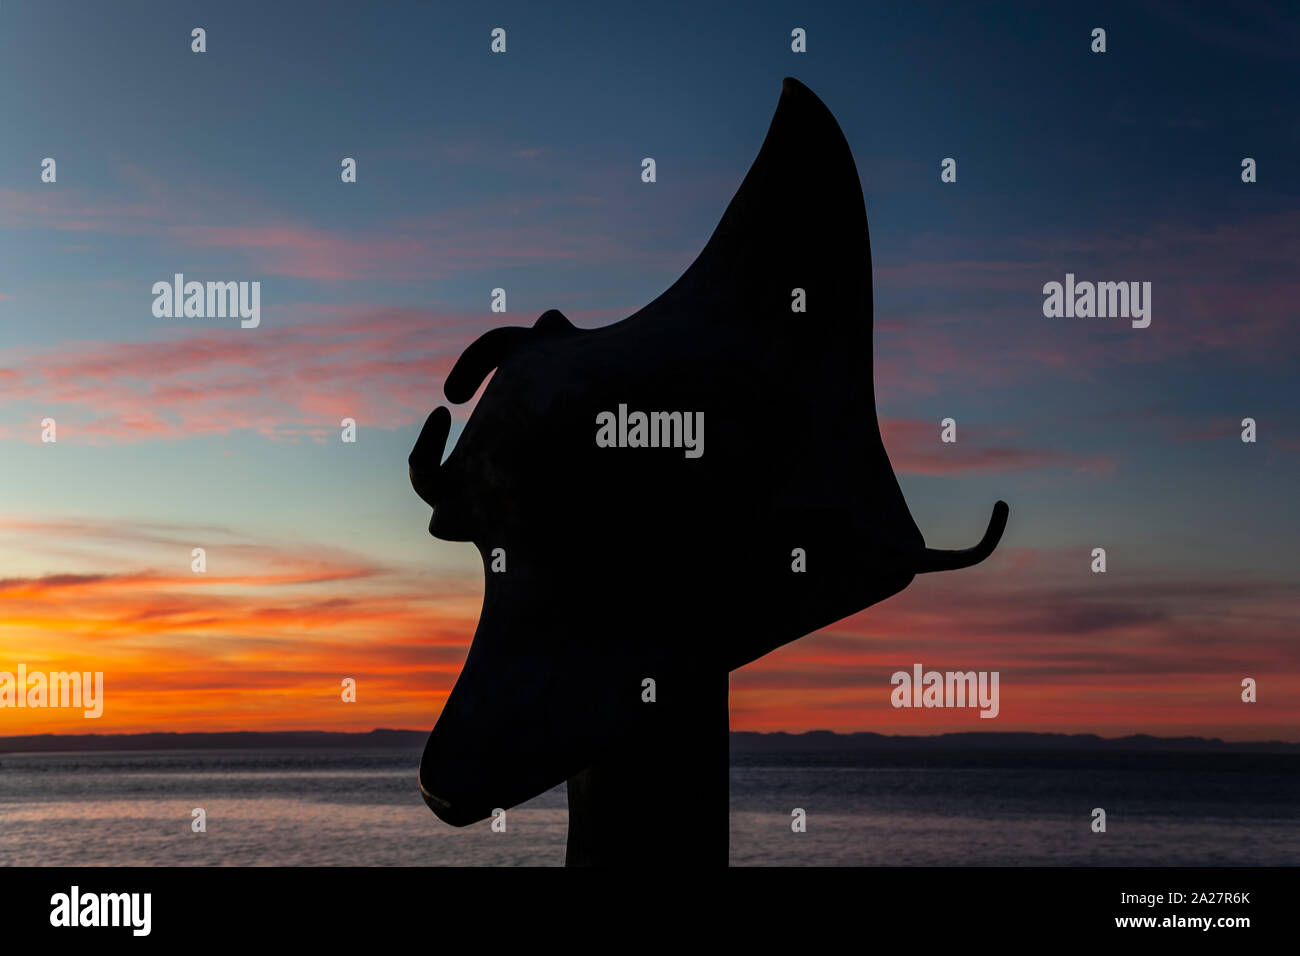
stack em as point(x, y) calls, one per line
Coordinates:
point(630, 563)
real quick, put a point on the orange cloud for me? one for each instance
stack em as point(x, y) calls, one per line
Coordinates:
point(268, 645)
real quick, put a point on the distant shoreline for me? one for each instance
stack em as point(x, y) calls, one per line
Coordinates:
point(742, 742)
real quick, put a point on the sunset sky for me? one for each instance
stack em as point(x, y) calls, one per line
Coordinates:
point(522, 171)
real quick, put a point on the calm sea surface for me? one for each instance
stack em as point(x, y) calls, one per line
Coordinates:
point(360, 807)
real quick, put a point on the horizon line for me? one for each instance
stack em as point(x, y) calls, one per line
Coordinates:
point(760, 733)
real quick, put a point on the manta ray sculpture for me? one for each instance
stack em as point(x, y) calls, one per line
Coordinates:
point(636, 576)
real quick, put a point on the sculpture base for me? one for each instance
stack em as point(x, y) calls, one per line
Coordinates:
point(667, 803)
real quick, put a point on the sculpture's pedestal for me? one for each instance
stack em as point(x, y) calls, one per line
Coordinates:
point(666, 803)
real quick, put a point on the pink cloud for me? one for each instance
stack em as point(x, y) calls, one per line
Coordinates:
point(384, 367)
point(914, 447)
point(1228, 289)
point(504, 232)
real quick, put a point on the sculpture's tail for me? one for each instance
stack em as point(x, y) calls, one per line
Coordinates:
point(935, 560)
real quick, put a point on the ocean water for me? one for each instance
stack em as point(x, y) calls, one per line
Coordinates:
point(312, 807)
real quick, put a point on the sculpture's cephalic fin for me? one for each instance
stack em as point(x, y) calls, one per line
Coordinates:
point(426, 456)
point(492, 348)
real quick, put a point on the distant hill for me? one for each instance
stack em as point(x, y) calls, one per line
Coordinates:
point(743, 743)
point(828, 742)
point(233, 740)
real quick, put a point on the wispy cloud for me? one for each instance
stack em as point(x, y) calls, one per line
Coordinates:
point(487, 233)
point(378, 365)
point(264, 638)
point(267, 642)
point(915, 447)
point(1077, 651)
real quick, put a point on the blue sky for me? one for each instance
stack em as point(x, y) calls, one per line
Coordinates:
point(522, 171)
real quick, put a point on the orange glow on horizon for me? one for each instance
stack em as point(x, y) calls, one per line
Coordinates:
point(266, 647)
